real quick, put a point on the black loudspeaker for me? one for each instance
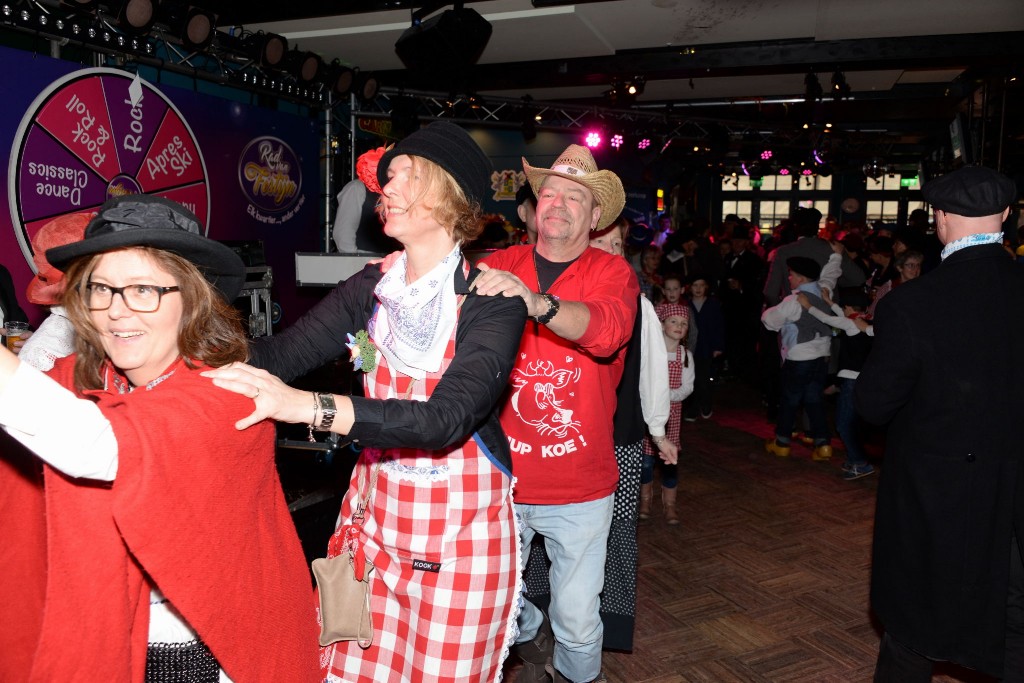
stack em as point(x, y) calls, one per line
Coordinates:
point(454, 39)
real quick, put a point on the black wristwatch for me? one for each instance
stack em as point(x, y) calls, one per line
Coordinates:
point(552, 309)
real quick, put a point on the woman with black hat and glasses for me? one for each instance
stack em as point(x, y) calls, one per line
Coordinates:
point(434, 473)
point(170, 552)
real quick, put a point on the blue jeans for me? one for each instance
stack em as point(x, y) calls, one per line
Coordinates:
point(803, 383)
point(669, 473)
point(846, 424)
point(576, 538)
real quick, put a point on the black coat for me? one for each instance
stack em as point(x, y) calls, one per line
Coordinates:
point(946, 369)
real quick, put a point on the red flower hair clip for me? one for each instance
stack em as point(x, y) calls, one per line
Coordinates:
point(366, 168)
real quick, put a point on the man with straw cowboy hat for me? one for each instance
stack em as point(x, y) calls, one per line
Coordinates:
point(559, 417)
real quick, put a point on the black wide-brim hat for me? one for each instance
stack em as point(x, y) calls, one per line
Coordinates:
point(140, 220)
point(451, 148)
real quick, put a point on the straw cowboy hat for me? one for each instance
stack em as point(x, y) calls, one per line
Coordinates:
point(577, 164)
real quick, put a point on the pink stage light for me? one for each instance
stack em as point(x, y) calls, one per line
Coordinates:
point(593, 139)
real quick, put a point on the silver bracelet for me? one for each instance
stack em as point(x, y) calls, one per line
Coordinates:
point(316, 411)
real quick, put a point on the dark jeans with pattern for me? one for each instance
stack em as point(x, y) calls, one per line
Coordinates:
point(803, 383)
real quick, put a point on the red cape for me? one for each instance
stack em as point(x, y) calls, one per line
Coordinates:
point(197, 508)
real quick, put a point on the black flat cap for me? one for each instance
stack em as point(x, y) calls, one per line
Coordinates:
point(803, 265)
point(970, 191)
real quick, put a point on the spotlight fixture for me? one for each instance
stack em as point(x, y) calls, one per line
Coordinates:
point(136, 17)
point(266, 49)
point(340, 79)
point(812, 87)
point(644, 143)
point(305, 66)
point(840, 88)
point(367, 86)
point(194, 27)
point(616, 141)
point(625, 92)
point(765, 155)
point(593, 139)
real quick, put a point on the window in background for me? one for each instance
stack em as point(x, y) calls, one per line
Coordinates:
point(886, 182)
point(773, 212)
point(741, 209)
point(885, 211)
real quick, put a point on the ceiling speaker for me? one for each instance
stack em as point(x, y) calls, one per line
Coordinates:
point(454, 39)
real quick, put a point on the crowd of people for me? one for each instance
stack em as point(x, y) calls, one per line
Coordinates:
point(516, 411)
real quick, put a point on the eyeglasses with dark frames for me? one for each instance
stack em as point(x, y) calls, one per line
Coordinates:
point(138, 298)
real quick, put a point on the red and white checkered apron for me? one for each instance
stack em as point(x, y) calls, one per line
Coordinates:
point(451, 509)
point(675, 414)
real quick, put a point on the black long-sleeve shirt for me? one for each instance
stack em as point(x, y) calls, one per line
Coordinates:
point(467, 398)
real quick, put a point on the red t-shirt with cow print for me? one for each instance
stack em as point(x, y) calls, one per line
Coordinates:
point(559, 418)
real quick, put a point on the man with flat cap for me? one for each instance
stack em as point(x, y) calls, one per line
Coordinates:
point(558, 419)
point(945, 374)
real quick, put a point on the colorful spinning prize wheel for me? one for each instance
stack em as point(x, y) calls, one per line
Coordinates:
point(96, 134)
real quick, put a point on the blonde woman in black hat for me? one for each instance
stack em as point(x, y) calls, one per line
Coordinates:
point(170, 551)
point(435, 467)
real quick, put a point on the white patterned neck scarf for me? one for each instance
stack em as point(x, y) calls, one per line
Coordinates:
point(419, 318)
point(971, 241)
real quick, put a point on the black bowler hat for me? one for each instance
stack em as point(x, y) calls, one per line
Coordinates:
point(139, 220)
point(970, 191)
point(451, 148)
point(802, 265)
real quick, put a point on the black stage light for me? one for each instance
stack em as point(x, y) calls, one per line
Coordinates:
point(340, 79)
point(367, 86)
point(194, 27)
point(305, 66)
point(840, 88)
point(812, 85)
point(266, 49)
point(136, 16)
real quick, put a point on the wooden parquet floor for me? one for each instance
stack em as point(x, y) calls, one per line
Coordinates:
point(766, 578)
